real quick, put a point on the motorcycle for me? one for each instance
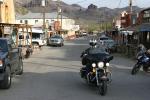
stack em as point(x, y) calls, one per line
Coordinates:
point(96, 70)
point(142, 61)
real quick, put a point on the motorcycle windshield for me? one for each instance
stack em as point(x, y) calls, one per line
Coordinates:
point(98, 54)
point(97, 51)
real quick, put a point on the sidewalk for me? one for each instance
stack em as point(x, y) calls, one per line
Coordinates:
point(122, 62)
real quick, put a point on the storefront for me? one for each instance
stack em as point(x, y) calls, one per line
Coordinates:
point(144, 28)
point(144, 34)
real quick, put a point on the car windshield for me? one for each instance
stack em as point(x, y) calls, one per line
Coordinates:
point(104, 38)
point(109, 43)
point(36, 35)
point(3, 45)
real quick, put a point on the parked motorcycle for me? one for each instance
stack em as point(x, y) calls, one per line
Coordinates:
point(142, 61)
point(96, 71)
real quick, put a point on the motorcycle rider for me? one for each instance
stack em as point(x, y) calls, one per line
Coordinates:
point(93, 46)
point(142, 50)
point(148, 53)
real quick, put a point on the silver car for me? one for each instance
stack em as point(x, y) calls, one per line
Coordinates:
point(56, 40)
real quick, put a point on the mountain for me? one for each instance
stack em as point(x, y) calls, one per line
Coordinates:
point(92, 14)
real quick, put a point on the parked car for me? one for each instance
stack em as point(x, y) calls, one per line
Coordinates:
point(84, 34)
point(10, 62)
point(38, 37)
point(108, 43)
point(56, 40)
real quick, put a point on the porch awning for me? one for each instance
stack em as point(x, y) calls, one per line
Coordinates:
point(130, 28)
point(145, 27)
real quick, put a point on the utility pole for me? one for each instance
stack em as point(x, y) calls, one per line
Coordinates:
point(130, 12)
point(43, 5)
point(59, 14)
point(130, 4)
point(58, 8)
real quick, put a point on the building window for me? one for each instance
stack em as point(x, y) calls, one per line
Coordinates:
point(146, 14)
point(26, 21)
point(20, 21)
point(47, 21)
point(36, 21)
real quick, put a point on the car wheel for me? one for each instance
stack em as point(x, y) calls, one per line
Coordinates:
point(59, 45)
point(6, 83)
point(20, 68)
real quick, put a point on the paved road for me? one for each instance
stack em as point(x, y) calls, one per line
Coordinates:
point(52, 74)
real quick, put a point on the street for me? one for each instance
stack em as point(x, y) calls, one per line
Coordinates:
point(53, 74)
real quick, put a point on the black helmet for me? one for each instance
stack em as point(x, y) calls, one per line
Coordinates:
point(93, 42)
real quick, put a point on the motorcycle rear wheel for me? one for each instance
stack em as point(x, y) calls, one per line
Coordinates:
point(135, 69)
point(103, 88)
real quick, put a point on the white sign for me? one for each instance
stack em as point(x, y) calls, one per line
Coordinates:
point(1, 1)
point(75, 27)
point(43, 3)
point(8, 30)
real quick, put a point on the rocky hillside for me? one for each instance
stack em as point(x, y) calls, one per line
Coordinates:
point(90, 14)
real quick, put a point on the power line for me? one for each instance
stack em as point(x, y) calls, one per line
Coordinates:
point(119, 3)
point(81, 1)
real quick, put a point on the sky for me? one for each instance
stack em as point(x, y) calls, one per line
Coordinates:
point(109, 3)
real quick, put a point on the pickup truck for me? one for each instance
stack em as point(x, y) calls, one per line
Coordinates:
point(10, 62)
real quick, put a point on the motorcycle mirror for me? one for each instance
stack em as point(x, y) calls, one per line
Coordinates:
point(109, 58)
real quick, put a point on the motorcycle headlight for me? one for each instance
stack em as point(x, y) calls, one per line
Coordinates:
point(107, 64)
point(1, 63)
point(100, 64)
point(93, 65)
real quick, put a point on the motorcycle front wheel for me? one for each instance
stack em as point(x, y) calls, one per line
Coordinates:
point(146, 69)
point(135, 69)
point(103, 88)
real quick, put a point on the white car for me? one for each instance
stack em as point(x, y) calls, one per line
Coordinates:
point(104, 39)
point(38, 37)
point(84, 33)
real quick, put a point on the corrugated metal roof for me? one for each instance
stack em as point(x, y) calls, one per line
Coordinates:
point(130, 28)
point(146, 9)
point(31, 15)
point(145, 27)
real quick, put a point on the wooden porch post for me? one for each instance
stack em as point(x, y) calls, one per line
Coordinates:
point(2, 31)
point(17, 36)
point(23, 36)
point(31, 35)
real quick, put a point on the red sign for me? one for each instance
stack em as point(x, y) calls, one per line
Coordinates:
point(57, 25)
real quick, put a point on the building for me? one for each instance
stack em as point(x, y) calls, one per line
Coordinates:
point(117, 23)
point(125, 19)
point(36, 19)
point(144, 27)
point(7, 12)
